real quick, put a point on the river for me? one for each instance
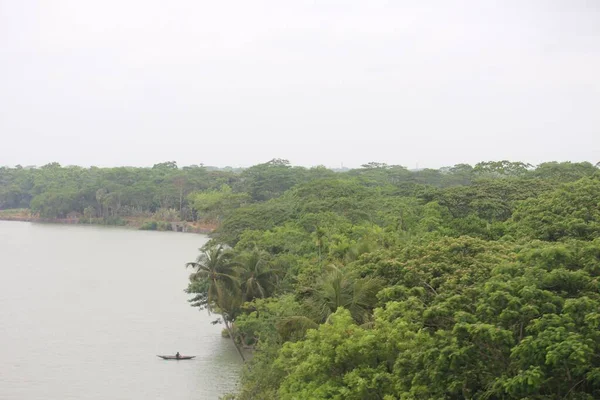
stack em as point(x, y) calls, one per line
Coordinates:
point(85, 310)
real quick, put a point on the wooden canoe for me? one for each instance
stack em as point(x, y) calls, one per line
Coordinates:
point(176, 358)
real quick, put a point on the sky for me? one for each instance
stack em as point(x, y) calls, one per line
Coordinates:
point(327, 82)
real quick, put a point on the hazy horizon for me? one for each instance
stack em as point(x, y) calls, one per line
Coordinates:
point(329, 83)
point(416, 167)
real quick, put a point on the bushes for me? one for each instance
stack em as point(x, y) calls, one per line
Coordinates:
point(156, 226)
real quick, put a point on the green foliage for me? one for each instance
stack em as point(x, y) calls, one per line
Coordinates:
point(490, 199)
point(521, 329)
point(460, 283)
point(156, 226)
point(571, 211)
point(340, 288)
point(53, 191)
point(482, 285)
point(53, 204)
point(501, 168)
point(257, 277)
point(565, 171)
point(261, 216)
point(271, 179)
point(214, 280)
point(215, 204)
point(338, 361)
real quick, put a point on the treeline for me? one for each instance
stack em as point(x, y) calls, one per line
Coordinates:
point(193, 192)
point(476, 282)
point(381, 283)
point(54, 192)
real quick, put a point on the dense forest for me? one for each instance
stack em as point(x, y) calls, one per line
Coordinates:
point(108, 195)
point(164, 192)
point(467, 282)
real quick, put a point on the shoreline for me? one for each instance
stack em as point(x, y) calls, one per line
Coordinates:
point(130, 223)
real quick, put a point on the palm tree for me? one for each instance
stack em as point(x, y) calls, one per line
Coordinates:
point(217, 286)
point(320, 240)
point(337, 288)
point(257, 278)
point(214, 276)
point(340, 288)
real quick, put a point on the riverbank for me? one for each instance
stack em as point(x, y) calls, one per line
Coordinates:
point(137, 223)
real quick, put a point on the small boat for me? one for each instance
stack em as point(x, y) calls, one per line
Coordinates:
point(176, 358)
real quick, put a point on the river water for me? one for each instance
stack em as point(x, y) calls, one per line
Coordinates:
point(85, 310)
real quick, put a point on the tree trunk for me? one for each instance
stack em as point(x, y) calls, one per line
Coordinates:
point(232, 336)
point(180, 202)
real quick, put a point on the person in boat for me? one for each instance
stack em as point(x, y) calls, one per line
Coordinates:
point(177, 355)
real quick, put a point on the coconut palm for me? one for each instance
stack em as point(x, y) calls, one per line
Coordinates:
point(214, 276)
point(217, 287)
point(341, 288)
point(337, 288)
point(257, 278)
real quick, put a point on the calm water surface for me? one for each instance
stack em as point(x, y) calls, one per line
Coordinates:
point(85, 310)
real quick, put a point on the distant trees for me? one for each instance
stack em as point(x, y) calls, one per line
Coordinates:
point(215, 204)
point(269, 180)
point(53, 204)
point(565, 171)
point(501, 168)
point(571, 211)
point(208, 193)
point(52, 191)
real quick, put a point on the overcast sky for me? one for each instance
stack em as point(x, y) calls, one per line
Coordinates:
point(433, 83)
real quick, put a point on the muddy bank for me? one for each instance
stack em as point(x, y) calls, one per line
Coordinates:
point(133, 223)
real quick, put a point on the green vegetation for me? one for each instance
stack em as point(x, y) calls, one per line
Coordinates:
point(475, 282)
point(381, 283)
point(149, 197)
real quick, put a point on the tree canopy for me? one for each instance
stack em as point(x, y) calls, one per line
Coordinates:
point(466, 282)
